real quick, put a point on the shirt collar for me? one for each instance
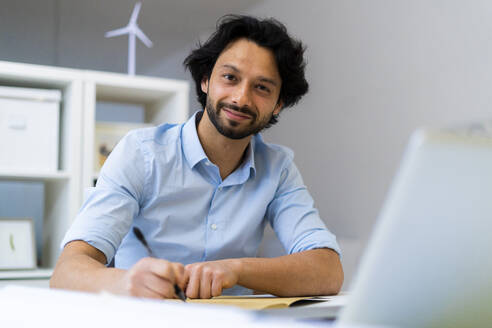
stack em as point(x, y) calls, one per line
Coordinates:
point(249, 159)
point(193, 150)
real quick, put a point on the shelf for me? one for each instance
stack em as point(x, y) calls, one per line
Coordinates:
point(26, 274)
point(133, 89)
point(33, 175)
point(30, 75)
point(162, 101)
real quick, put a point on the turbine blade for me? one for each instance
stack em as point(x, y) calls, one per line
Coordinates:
point(141, 35)
point(136, 10)
point(120, 31)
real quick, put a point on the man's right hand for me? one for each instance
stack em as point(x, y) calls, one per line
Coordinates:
point(82, 267)
point(152, 278)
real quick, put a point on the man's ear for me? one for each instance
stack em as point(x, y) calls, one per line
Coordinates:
point(278, 107)
point(204, 84)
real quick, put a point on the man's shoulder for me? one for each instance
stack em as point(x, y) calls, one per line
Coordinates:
point(155, 136)
point(271, 152)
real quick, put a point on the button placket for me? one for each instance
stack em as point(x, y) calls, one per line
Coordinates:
point(214, 226)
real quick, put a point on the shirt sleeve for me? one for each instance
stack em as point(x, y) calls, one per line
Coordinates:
point(110, 207)
point(294, 218)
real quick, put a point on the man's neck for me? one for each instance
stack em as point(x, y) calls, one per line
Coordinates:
point(224, 152)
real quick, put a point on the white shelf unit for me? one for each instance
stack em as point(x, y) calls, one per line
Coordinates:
point(33, 278)
point(33, 175)
point(164, 100)
point(62, 187)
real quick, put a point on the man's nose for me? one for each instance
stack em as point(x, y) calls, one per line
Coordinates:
point(241, 96)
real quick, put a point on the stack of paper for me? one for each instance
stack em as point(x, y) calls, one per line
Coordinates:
point(37, 307)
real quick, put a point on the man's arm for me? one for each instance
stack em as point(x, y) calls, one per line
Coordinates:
point(81, 267)
point(312, 272)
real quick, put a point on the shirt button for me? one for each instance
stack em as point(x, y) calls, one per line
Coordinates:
point(213, 226)
point(208, 163)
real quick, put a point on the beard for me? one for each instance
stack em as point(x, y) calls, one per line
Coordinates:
point(231, 129)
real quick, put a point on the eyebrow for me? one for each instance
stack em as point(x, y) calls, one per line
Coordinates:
point(261, 78)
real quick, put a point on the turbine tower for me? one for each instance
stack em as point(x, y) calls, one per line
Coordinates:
point(133, 31)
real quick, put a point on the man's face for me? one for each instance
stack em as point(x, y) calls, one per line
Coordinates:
point(243, 89)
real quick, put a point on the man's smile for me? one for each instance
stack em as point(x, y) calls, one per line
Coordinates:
point(235, 115)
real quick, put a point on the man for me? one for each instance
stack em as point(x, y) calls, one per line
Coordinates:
point(202, 192)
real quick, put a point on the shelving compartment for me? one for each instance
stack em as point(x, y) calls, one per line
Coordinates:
point(117, 104)
point(59, 198)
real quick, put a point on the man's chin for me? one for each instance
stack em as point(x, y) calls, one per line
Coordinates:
point(234, 133)
point(233, 126)
point(230, 128)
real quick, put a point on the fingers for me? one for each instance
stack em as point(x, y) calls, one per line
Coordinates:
point(154, 278)
point(193, 287)
point(186, 279)
point(148, 293)
point(165, 269)
point(206, 283)
point(162, 288)
point(217, 286)
point(179, 273)
point(171, 273)
point(207, 279)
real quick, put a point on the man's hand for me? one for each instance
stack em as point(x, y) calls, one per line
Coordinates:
point(153, 278)
point(314, 272)
point(207, 279)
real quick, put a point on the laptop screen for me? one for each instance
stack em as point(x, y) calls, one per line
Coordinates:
point(428, 261)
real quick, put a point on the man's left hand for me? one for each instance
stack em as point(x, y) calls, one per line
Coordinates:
point(207, 279)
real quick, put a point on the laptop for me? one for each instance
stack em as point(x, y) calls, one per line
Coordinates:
point(428, 262)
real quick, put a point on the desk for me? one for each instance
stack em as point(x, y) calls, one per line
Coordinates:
point(34, 307)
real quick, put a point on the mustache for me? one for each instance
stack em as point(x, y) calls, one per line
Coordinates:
point(244, 109)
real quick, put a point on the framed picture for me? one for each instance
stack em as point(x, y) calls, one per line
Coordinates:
point(17, 244)
point(107, 135)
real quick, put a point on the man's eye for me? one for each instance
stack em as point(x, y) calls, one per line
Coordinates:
point(229, 77)
point(263, 88)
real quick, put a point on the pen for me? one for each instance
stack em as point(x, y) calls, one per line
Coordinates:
point(141, 238)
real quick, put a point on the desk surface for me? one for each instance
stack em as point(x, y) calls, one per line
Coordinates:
point(23, 306)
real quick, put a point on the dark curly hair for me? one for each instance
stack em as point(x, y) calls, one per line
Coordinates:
point(267, 33)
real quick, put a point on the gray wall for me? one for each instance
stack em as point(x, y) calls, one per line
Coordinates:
point(377, 70)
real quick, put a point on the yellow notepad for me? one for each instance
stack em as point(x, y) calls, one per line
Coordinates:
point(257, 302)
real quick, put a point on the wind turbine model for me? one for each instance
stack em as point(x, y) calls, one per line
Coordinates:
point(133, 31)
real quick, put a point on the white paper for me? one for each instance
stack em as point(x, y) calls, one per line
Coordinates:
point(38, 307)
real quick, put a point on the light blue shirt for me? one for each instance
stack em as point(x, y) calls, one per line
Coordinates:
point(160, 180)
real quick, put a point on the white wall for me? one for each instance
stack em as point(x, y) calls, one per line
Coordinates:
point(378, 69)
